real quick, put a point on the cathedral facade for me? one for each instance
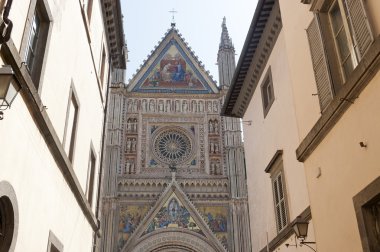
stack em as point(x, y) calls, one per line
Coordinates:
point(174, 177)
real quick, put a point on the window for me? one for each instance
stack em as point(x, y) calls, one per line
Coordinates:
point(341, 40)
point(71, 124)
point(102, 67)
point(279, 201)
point(91, 175)
point(54, 245)
point(267, 92)
point(339, 36)
point(276, 170)
point(37, 33)
point(8, 217)
point(6, 223)
point(367, 208)
point(89, 9)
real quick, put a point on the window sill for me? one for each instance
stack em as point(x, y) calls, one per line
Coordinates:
point(350, 91)
point(287, 231)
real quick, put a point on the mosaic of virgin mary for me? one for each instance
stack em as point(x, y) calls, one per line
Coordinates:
point(172, 72)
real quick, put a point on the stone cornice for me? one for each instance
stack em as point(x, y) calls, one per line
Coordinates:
point(262, 36)
point(113, 23)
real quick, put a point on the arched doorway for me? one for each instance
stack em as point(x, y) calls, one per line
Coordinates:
point(173, 240)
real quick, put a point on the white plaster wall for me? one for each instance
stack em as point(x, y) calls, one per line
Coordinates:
point(45, 200)
point(262, 139)
point(346, 169)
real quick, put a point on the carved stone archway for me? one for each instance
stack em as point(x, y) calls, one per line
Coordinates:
point(173, 240)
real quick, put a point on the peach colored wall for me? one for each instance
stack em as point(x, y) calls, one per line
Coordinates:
point(262, 139)
point(346, 169)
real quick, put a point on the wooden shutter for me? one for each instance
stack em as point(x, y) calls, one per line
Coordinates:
point(280, 204)
point(320, 66)
point(360, 27)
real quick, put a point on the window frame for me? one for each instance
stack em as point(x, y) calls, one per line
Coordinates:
point(42, 9)
point(367, 197)
point(54, 243)
point(9, 206)
point(72, 97)
point(92, 162)
point(348, 39)
point(276, 169)
point(267, 82)
point(102, 67)
point(89, 9)
point(357, 48)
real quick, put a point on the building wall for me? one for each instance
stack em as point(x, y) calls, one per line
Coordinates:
point(277, 131)
point(346, 169)
point(45, 200)
point(338, 168)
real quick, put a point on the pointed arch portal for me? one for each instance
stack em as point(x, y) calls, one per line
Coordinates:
point(172, 240)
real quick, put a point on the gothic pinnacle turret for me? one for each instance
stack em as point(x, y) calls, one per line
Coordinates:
point(225, 40)
point(226, 57)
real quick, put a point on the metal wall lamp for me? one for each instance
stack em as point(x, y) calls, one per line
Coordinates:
point(300, 228)
point(9, 88)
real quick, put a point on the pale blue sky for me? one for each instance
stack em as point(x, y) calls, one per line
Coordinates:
point(199, 21)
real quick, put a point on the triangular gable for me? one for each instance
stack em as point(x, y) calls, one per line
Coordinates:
point(173, 68)
point(185, 216)
point(173, 214)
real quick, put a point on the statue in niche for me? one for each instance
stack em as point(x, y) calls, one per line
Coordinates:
point(194, 106)
point(216, 148)
point(129, 106)
point(144, 105)
point(215, 106)
point(127, 167)
point(177, 107)
point(133, 145)
point(201, 106)
point(209, 106)
point(212, 148)
point(129, 126)
point(132, 171)
point(151, 105)
point(168, 106)
point(216, 127)
point(135, 106)
point(135, 125)
point(129, 145)
point(210, 127)
point(160, 106)
point(184, 106)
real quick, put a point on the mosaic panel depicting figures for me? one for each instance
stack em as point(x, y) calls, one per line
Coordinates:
point(216, 217)
point(130, 217)
point(173, 72)
point(173, 215)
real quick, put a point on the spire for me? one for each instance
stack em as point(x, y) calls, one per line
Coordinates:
point(226, 57)
point(225, 40)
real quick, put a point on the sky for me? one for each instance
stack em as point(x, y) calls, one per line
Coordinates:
point(199, 22)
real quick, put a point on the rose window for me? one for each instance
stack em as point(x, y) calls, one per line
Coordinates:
point(172, 146)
